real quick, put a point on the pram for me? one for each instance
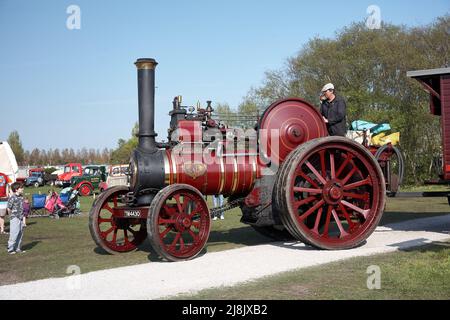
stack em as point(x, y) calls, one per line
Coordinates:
point(66, 204)
point(69, 198)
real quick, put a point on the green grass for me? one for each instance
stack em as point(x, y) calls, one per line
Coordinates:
point(430, 187)
point(53, 245)
point(420, 273)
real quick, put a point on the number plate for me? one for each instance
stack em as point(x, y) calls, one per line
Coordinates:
point(132, 213)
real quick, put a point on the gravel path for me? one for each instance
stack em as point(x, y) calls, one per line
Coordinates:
point(160, 279)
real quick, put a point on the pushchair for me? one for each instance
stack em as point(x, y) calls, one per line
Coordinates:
point(66, 204)
point(69, 198)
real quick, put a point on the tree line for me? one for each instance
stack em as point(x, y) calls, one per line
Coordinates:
point(52, 157)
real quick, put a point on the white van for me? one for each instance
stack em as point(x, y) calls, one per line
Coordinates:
point(8, 163)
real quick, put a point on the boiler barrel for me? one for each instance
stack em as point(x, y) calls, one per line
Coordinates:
point(212, 173)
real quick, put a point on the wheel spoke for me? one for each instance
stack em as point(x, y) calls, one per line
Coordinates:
point(311, 210)
point(177, 199)
point(196, 224)
point(105, 233)
point(107, 207)
point(316, 224)
point(175, 241)
point(349, 175)
point(165, 232)
point(166, 221)
point(181, 243)
point(102, 220)
point(125, 236)
point(114, 239)
point(347, 216)
point(307, 178)
point(364, 196)
point(193, 213)
point(304, 201)
point(193, 235)
point(314, 171)
point(332, 166)
point(327, 222)
point(364, 212)
point(308, 190)
point(185, 203)
point(170, 210)
point(358, 184)
point(342, 231)
point(322, 163)
point(344, 164)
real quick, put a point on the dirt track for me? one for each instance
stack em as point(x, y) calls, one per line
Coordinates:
point(160, 279)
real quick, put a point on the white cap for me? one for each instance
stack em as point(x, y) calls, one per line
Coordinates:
point(328, 86)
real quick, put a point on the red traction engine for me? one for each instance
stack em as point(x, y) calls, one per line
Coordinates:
point(289, 178)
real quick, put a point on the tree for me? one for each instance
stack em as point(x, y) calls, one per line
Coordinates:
point(16, 146)
point(368, 68)
point(121, 155)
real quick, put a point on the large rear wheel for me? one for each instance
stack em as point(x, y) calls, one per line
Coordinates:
point(330, 193)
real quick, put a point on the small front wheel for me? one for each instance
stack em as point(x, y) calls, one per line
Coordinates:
point(178, 223)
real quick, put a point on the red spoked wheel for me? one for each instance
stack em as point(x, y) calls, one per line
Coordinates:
point(85, 190)
point(178, 223)
point(330, 193)
point(111, 233)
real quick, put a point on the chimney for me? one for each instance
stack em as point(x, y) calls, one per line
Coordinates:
point(146, 92)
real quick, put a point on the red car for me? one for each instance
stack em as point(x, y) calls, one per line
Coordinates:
point(70, 170)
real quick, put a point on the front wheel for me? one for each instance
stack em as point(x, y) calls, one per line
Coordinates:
point(178, 223)
point(85, 190)
point(111, 233)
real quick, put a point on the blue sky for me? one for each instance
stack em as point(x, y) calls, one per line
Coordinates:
point(77, 88)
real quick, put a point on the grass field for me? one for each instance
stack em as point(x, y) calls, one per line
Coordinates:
point(53, 245)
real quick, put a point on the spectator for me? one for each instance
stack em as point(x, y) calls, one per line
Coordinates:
point(26, 211)
point(4, 191)
point(15, 210)
point(333, 109)
point(218, 202)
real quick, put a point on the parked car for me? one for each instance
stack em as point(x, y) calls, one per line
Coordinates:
point(39, 178)
point(89, 182)
point(117, 176)
point(70, 170)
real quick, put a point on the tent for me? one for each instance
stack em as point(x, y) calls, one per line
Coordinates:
point(8, 163)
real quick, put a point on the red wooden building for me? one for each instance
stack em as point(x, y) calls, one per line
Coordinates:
point(437, 83)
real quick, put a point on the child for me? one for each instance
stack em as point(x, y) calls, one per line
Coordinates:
point(26, 211)
point(15, 210)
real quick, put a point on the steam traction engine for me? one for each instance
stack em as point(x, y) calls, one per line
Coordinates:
point(290, 180)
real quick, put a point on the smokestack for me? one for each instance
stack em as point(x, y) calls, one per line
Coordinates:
point(146, 92)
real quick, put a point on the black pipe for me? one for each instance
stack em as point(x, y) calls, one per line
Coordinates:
point(146, 93)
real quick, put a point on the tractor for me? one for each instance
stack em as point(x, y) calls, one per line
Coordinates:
point(289, 178)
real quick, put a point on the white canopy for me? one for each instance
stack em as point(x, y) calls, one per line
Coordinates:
point(8, 163)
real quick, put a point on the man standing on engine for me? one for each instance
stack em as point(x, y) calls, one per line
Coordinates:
point(333, 109)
